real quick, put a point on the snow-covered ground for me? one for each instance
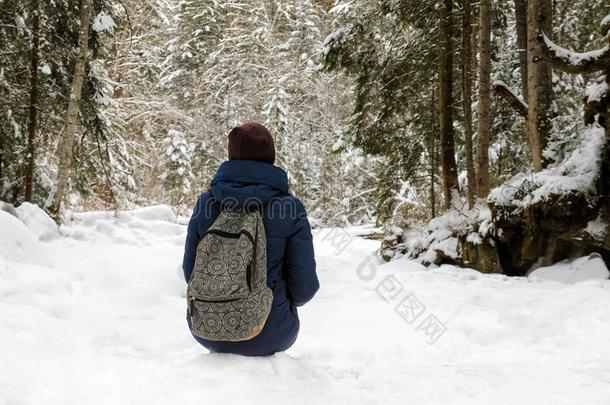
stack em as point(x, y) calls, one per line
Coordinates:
point(95, 315)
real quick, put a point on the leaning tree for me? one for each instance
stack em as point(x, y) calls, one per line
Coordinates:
point(597, 99)
point(596, 103)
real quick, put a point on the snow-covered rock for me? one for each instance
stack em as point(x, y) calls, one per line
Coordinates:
point(597, 228)
point(558, 213)
point(446, 238)
point(448, 247)
point(590, 267)
point(577, 174)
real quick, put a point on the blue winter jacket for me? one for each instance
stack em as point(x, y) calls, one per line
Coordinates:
point(291, 268)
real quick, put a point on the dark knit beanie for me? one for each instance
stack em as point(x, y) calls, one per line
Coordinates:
point(251, 141)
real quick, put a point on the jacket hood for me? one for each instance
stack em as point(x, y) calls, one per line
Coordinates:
point(248, 182)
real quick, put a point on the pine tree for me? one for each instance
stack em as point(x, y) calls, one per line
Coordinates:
point(177, 172)
point(26, 163)
point(387, 48)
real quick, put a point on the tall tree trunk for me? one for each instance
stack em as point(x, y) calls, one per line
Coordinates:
point(433, 122)
point(1, 155)
point(474, 42)
point(539, 86)
point(33, 107)
point(450, 179)
point(484, 112)
point(65, 148)
point(467, 97)
point(521, 27)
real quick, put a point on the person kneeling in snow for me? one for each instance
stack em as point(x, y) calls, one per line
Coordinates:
point(249, 257)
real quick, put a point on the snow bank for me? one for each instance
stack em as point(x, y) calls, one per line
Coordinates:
point(590, 267)
point(37, 220)
point(402, 265)
point(129, 227)
point(107, 325)
point(18, 242)
point(577, 174)
point(33, 285)
point(156, 212)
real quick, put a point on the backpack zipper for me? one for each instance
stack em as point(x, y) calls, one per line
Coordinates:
point(193, 299)
point(231, 234)
point(223, 300)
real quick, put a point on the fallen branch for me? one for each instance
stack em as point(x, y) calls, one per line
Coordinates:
point(501, 89)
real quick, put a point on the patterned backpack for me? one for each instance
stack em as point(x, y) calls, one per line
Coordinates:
point(228, 297)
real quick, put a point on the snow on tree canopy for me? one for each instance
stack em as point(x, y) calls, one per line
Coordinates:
point(103, 23)
point(596, 91)
point(177, 170)
point(45, 69)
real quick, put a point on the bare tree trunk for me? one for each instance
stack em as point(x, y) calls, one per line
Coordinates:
point(65, 148)
point(450, 180)
point(539, 86)
point(521, 26)
point(33, 108)
point(484, 127)
point(467, 97)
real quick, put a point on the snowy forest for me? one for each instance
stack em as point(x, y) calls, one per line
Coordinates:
point(384, 111)
point(454, 143)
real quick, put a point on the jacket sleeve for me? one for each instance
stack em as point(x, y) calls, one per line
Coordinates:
point(300, 265)
point(192, 239)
